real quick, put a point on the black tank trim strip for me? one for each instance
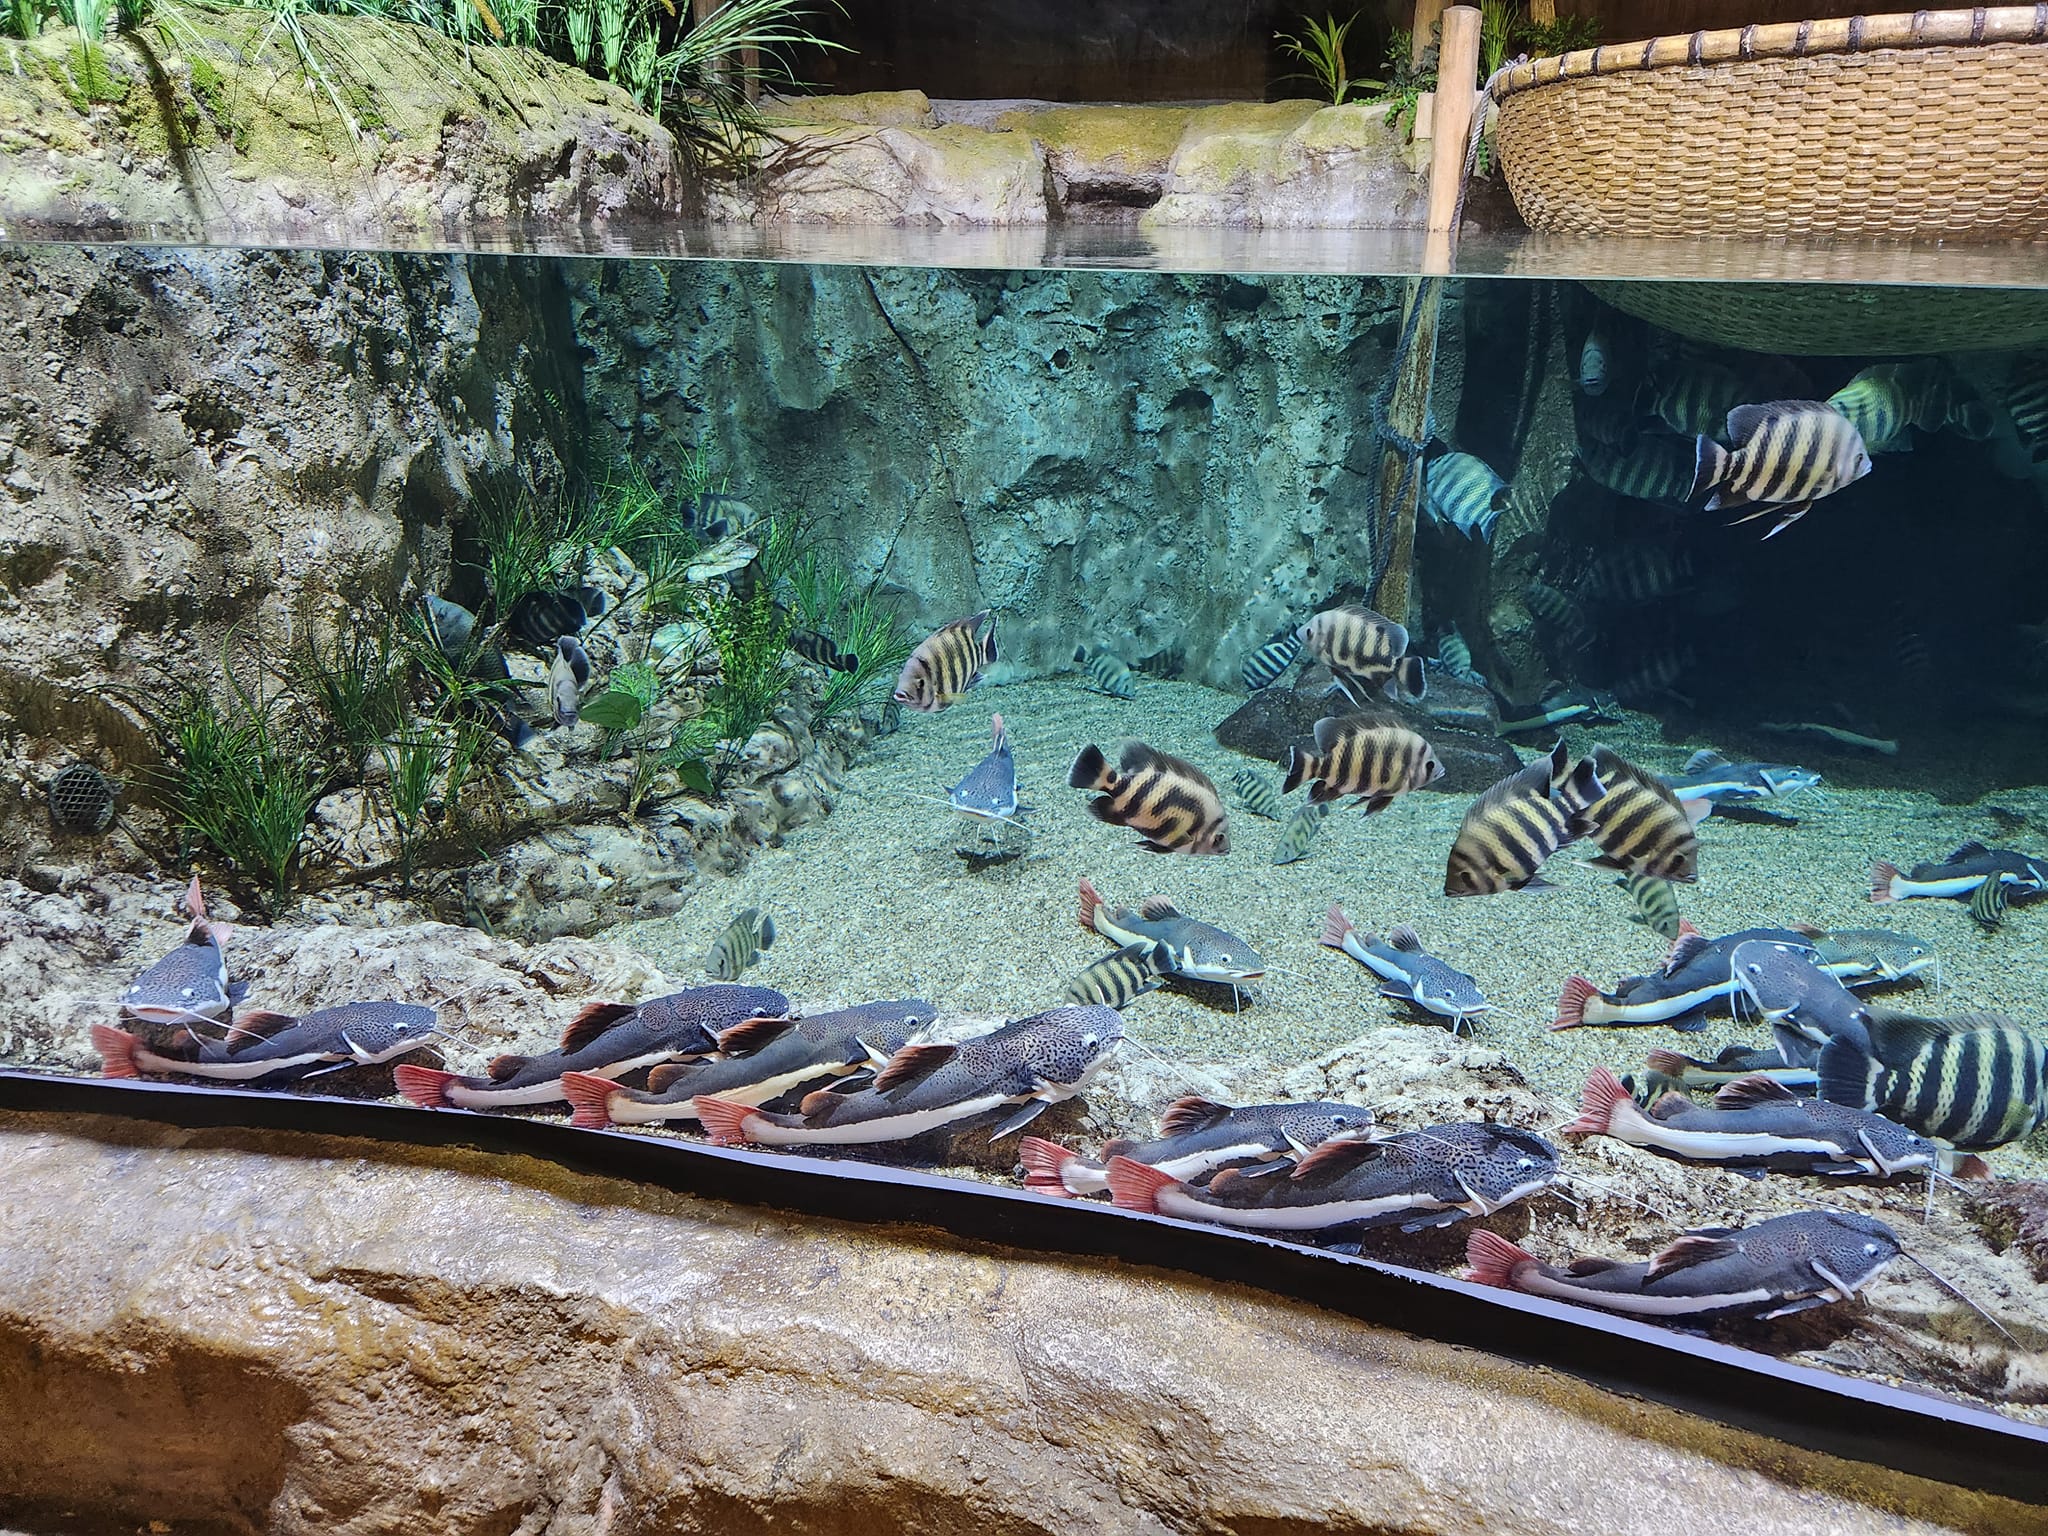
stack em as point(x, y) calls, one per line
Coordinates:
point(1864, 1421)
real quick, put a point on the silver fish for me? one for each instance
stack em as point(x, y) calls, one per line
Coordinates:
point(567, 674)
point(1258, 794)
point(1106, 673)
point(1301, 832)
point(989, 789)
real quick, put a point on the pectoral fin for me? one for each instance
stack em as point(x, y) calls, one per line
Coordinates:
point(1023, 1117)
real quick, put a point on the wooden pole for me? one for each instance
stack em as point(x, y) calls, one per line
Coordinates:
point(1456, 94)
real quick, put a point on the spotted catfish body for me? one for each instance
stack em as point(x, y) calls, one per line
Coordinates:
point(1726, 1066)
point(1711, 777)
point(1366, 652)
point(1959, 876)
point(1406, 970)
point(1196, 950)
point(604, 1040)
point(990, 788)
point(1196, 1137)
point(1805, 1005)
point(1779, 1266)
point(1030, 1063)
point(1755, 1122)
point(1698, 973)
point(270, 1048)
point(190, 984)
point(1416, 1180)
point(1518, 823)
point(764, 1059)
point(948, 662)
point(1169, 802)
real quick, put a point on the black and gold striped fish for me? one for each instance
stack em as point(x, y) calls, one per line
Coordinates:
point(1976, 1081)
point(1636, 573)
point(1115, 979)
point(1656, 903)
point(1300, 833)
point(1518, 823)
point(1370, 756)
point(947, 663)
point(819, 649)
point(1171, 802)
point(1787, 455)
point(1106, 672)
point(1988, 903)
point(1640, 825)
point(1365, 652)
point(1255, 792)
point(1649, 466)
point(1263, 667)
point(2026, 402)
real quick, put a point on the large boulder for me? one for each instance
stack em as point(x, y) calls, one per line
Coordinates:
point(299, 1334)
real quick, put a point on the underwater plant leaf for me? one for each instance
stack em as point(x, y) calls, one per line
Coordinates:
point(615, 710)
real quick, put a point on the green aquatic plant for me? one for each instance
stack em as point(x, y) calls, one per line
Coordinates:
point(415, 761)
point(1320, 46)
point(1500, 21)
point(21, 18)
point(240, 780)
point(707, 79)
point(356, 685)
point(755, 667)
point(1563, 34)
point(858, 624)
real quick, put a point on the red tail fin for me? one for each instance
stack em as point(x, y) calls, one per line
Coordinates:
point(1043, 1161)
point(724, 1121)
point(1603, 1091)
point(1335, 927)
point(117, 1046)
point(1091, 899)
point(1881, 877)
point(1135, 1186)
point(425, 1086)
point(1492, 1260)
point(1571, 1002)
point(591, 1097)
point(195, 900)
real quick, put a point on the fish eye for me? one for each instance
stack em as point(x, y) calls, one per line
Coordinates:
point(1870, 1248)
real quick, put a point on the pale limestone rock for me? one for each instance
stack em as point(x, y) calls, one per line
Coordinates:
point(1291, 168)
point(946, 176)
point(299, 1334)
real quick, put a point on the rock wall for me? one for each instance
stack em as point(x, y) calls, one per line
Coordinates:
point(293, 1334)
point(1171, 465)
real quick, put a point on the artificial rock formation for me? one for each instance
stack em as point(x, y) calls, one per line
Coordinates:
point(294, 1334)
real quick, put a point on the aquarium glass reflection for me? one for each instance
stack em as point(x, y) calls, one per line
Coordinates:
point(1484, 773)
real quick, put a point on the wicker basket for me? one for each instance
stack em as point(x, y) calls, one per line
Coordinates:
point(1925, 126)
point(1837, 320)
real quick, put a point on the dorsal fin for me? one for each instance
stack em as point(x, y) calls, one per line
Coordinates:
point(256, 1024)
point(911, 1063)
point(1970, 850)
point(1222, 1183)
point(1685, 948)
point(752, 1034)
point(1683, 1253)
point(1753, 1091)
point(1335, 1158)
point(1745, 421)
point(591, 1021)
point(503, 1067)
point(1897, 1037)
point(1703, 759)
point(1806, 931)
point(663, 1077)
point(1157, 909)
point(1405, 939)
point(1191, 1112)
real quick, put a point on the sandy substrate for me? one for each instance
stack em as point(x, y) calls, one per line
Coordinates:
point(876, 901)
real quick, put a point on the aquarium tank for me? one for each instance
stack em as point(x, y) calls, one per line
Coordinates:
point(735, 803)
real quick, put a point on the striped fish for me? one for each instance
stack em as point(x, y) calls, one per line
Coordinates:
point(1698, 398)
point(1591, 376)
point(1640, 825)
point(1636, 573)
point(1648, 466)
point(1106, 673)
point(1464, 493)
point(1788, 454)
point(1988, 903)
point(1364, 651)
point(820, 650)
point(1656, 903)
point(1170, 802)
point(1549, 606)
point(1115, 979)
point(742, 943)
point(1255, 792)
point(1300, 834)
point(1263, 667)
point(1879, 406)
point(947, 663)
point(2026, 402)
point(1655, 674)
point(1455, 657)
point(1511, 829)
point(1369, 756)
point(1976, 1081)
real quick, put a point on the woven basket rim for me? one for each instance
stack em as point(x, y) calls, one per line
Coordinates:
point(1786, 40)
